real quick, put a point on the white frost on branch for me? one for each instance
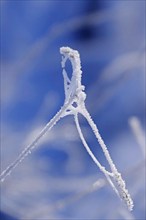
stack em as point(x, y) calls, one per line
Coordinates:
point(73, 105)
point(74, 88)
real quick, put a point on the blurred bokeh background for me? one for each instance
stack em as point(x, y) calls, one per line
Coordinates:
point(57, 180)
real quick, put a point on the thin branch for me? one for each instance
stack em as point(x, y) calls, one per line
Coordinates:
point(30, 147)
point(102, 168)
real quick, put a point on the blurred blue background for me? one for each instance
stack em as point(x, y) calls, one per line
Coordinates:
point(56, 180)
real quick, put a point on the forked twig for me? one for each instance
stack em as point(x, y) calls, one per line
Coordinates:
point(74, 85)
point(73, 105)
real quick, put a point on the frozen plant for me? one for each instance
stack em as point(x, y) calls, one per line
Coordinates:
point(74, 104)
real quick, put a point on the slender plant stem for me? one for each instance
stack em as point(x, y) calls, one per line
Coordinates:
point(31, 146)
point(102, 168)
point(99, 138)
point(120, 187)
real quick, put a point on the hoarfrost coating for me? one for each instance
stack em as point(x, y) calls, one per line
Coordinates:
point(73, 105)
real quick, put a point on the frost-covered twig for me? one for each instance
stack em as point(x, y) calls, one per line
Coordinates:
point(74, 87)
point(75, 103)
point(30, 147)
